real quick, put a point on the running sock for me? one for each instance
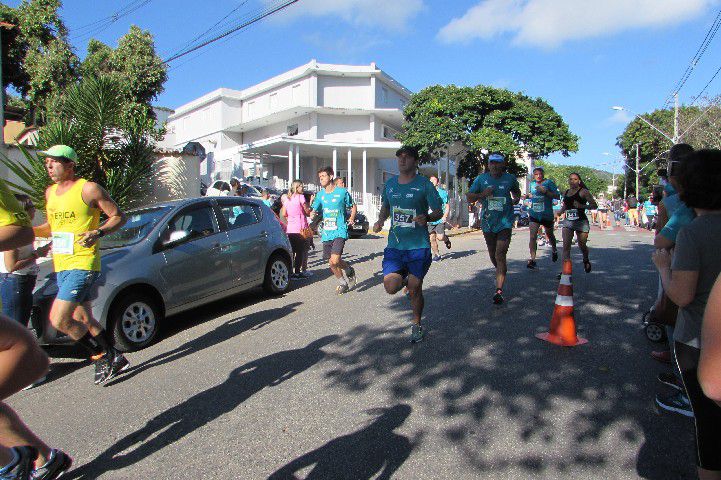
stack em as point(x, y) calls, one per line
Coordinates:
point(91, 344)
point(102, 340)
point(342, 281)
point(13, 462)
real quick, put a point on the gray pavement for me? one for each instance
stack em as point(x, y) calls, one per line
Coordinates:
point(312, 385)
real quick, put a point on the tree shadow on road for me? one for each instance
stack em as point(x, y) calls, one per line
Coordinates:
point(520, 406)
point(226, 331)
point(204, 407)
point(375, 451)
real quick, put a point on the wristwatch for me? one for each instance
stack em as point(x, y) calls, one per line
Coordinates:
point(101, 233)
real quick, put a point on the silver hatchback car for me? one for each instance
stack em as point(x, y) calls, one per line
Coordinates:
point(174, 256)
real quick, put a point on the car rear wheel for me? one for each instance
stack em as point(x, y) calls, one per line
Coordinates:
point(135, 318)
point(277, 275)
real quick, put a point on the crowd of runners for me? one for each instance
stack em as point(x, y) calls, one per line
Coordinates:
point(687, 221)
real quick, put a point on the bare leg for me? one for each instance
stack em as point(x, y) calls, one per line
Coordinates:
point(491, 245)
point(415, 292)
point(551, 237)
point(393, 282)
point(336, 265)
point(434, 243)
point(583, 244)
point(567, 242)
point(533, 243)
point(73, 319)
point(502, 245)
point(709, 474)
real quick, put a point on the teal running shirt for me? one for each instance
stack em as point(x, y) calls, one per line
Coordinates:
point(405, 202)
point(333, 206)
point(498, 209)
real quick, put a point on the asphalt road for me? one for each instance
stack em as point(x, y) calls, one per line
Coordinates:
point(312, 385)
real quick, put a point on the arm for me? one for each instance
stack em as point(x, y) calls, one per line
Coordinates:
point(661, 218)
point(95, 196)
point(44, 230)
point(709, 367)
point(516, 194)
point(382, 217)
point(353, 212)
point(592, 205)
point(679, 284)
point(662, 242)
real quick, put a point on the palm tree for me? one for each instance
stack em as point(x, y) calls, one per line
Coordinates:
point(114, 149)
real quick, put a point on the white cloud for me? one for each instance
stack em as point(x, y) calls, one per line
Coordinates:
point(390, 14)
point(549, 23)
point(620, 116)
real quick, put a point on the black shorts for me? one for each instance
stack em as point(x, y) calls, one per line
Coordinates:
point(548, 223)
point(707, 414)
point(439, 230)
point(333, 247)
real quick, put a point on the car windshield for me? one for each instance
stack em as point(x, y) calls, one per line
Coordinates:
point(138, 226)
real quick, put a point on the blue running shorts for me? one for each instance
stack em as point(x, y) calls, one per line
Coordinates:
point(415, 262)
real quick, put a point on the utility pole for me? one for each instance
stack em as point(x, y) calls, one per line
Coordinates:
point(637, 169)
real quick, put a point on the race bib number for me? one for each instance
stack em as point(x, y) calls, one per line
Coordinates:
point(572, 214)
point(539, 207)
point(495, 204)
point(330, 224)
point(403, 217)
point(63, 243)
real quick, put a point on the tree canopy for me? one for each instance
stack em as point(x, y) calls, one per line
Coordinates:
point(596, 181)
point(701, 128)
point(484, 119)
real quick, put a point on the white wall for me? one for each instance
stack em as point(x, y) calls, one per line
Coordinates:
point(198, 123)
point(344, 92)
point(281, 128)
point(289, 95)
point(388, 97)
point(355, 128)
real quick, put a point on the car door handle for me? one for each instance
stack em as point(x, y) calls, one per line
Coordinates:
point(264, 234)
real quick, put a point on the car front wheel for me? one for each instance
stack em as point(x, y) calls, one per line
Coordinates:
point(277, 275)
point(135, 318)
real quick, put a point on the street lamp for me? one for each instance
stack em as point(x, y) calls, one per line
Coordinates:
point(624, 109)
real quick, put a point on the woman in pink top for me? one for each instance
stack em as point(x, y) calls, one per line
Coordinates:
point(296, 211)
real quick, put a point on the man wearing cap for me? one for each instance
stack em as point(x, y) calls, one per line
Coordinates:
point(498, 191)
point(74, 206)
point(542, 192)
point(411, 201)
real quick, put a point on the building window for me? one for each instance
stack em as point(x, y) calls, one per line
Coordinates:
point(389, 133)
point(295, 94)
point(384, 96)
point(273, 101)
point(251, 109)
point(292, 130)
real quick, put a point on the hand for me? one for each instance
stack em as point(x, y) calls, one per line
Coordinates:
point(88, 239)
point(44, 250)
point(662, 259)
point(421, 220)
point(377, 227)
point(488, 191)
point(351, 222)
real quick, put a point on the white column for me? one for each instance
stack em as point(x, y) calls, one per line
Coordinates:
point(335, 161)
point(290, 165)
point(297, 162)
point(350, 182)
point(365, 180)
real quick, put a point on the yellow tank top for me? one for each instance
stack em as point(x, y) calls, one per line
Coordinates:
point(11, 211)
point(69, 216)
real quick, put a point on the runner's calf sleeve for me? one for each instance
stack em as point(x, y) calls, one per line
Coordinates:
point(103, 340)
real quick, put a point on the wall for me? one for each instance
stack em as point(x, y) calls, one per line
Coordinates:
point(351, 128)
point(275, 129)
point(289, 95)
point(390, 98)
point(344, 92)
point(198, 123)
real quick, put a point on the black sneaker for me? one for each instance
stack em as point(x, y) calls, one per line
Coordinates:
point(677, 403)
point(448, 243)
point(498, 297)
point(342, 289)
point(102, 368)
point(351, 277)
point(554, 255)
point(118, 365)
point(23, 468)
point(531, 264)
point(58, 464)
point(669, 380)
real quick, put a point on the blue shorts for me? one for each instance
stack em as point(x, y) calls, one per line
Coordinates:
point(416, 262)
point(77, 285)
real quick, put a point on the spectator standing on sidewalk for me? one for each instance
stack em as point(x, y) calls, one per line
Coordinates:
point(632, 213)
point(295, 210)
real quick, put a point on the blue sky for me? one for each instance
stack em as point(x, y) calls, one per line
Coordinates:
point(582, 56)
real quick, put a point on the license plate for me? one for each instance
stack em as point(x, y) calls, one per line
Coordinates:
point(357, 227)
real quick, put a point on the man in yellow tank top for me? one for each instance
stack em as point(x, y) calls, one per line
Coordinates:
point(23, 363)
point(73, 211)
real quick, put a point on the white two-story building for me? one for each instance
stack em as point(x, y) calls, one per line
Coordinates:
point(291, 125)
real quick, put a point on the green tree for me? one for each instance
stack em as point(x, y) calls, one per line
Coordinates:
point(595, 182)
point(115, 152)
point(136, 66)
point(484, 118)
point(38, 61)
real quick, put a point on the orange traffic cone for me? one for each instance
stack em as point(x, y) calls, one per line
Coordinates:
point(563, 326)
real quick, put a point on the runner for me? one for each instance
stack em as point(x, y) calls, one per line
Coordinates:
point(576, 200)
point(437, 229)
point(22, 454)
point(543, 193)
point(73, 211)
point(407, 199)
point(332, 202)
point(498, 192)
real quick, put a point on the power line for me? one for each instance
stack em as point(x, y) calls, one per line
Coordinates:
point(265, 13)
point(696, 58)
point(703, 90)
point(93, 28)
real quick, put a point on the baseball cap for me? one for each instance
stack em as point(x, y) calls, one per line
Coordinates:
point(61, 151)
point(496, 157)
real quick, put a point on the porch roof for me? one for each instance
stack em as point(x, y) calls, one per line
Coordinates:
point(279, 146)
